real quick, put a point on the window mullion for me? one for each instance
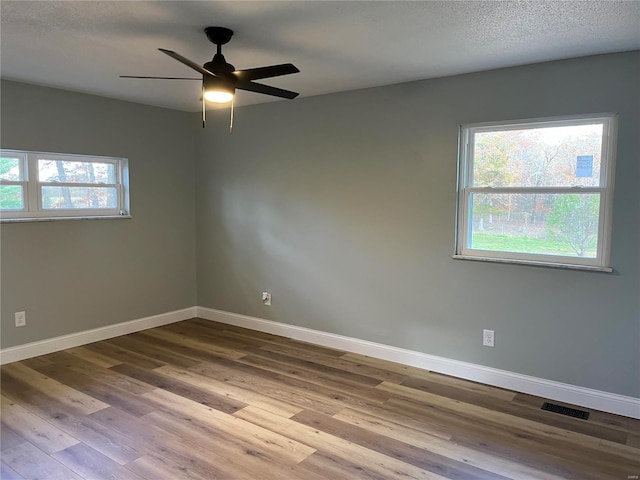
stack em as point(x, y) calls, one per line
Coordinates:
point(32, 187)
point(532, 190)
point(72, 184)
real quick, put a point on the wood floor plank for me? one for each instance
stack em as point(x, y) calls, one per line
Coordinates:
point(282, 447)
point(125, 356)
point(399, 368)
point(188, 346)
point(217, 337)
point(501, 413)
point(336, 468)
point(35, 362)
point(293, 371)
point(199, 400)
point(102, 374)
point(595, 417)
point(34, 429)
point(407, 419)
point(9, 438)
point(420, 457)
point(185, 337)
point(76, 400)
point(105, 440)
point(340, 363)
point(329, 399)
point(157, 466)
point(8, 473)
point(32, 463)
point(434, 380)
point(194, 447)
point(154, 439)
point(243, 395)
point(89, 463)
point(109, 394)
point(311, 368)
point(229, 456)
point(626, 452)
point(271, 384)
point(506, 407)
point(634, 440)
point(380, 464)
point(576, 462)
point(487, 439)
point(442, 446)
point(93, 357)
point(178, 387)
point(134, 343)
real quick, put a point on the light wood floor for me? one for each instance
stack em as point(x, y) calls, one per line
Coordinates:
point(201, 400)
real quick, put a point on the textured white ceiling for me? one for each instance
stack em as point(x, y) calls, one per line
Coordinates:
point(338, 46)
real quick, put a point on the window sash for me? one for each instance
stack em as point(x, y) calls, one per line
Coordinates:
point(103, 211)
point(25, 196)
point(608, 132)
point(464, 239)
point(34, 160)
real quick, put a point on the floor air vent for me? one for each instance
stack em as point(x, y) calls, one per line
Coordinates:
point(571, 412)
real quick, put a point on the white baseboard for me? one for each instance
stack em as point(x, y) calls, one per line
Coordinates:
point(562, 392)
point(29, 350)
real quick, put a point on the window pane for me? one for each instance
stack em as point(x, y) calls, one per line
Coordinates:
point(549, 224)
point(538, 157)
point(10, 169)
point(76, 172)
point(11, 197)
point(79, 197)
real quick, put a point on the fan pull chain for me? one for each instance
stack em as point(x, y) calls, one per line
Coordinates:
point(233, 101)
point(204, 114)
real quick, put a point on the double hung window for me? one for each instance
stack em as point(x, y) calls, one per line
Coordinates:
point(537, 191)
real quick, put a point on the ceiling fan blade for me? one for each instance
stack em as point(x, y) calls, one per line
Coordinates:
point(161, 78)
point(266, 89)
point(186, 61)
point(266, 72)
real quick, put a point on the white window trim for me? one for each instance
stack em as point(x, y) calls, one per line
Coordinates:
point(32, 197)
point(605, 189)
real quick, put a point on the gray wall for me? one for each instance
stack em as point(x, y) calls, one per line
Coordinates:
point(71, 276)
point(343, 206)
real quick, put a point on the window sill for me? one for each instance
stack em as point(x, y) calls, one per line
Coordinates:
point(55, 219)
point(535, 264)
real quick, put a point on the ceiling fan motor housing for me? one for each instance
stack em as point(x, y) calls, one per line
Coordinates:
point(218, 35)
point(219, 66)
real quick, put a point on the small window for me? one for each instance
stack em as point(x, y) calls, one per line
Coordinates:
point(537, 191)
point(38, 185)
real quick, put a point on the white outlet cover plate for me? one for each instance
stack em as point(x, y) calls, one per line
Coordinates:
point(488, 338)
point(266, 298)
point(21, 319)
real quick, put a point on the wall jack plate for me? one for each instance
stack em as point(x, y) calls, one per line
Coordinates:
point(266, 298)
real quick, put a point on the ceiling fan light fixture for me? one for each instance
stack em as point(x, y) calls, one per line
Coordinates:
point(217, 90)
point(218, 96)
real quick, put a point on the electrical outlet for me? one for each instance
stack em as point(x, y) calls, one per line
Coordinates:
point(488, 338)
point(21, 319)
point(266, 298)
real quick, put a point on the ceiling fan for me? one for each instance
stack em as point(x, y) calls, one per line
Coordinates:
point(221, 79)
